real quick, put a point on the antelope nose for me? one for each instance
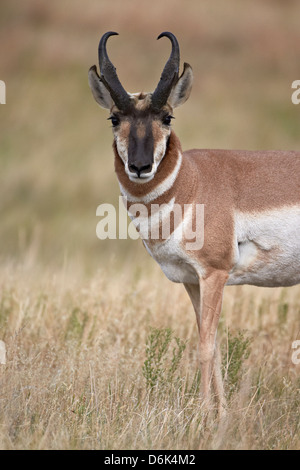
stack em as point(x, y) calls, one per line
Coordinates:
point(139, 170)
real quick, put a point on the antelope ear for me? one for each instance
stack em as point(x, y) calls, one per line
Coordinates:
point(182, 89)
point(99, 90)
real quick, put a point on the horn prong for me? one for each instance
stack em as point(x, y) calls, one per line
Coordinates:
point(169, 74)
point(109, 77)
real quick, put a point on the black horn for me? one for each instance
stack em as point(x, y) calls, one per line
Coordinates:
point(109, 75)
point(169, 74)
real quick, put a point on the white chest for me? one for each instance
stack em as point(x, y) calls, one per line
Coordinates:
point(174, 262)
point(170, 254)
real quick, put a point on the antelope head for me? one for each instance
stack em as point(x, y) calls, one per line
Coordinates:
point(141, 122)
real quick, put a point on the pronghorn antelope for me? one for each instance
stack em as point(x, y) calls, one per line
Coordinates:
point(251, 199)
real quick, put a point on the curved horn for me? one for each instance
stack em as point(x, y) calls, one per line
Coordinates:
point(109, 77)
point(169, 74)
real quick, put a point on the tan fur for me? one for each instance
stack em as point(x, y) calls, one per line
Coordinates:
point(157, 132)
point(124, 131)
point(142, 101)
point(140, 130)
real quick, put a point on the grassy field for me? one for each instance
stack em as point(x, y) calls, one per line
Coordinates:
point(85, 321)
point(76, 376)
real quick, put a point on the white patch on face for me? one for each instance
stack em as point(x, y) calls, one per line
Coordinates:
point(122, 147)
point(267, 248)
point(144, 177)
point(160, 189)
point(160, 150)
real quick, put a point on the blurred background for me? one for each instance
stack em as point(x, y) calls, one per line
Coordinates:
point(56, 161)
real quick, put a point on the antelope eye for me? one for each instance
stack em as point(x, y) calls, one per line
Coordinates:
point(114, 120)
point(167, 120)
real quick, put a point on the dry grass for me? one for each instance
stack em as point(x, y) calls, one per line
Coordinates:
point(75, 312)
point(76, 348)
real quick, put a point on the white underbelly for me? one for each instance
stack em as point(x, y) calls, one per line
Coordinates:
point(267, 248)
point(266, 251)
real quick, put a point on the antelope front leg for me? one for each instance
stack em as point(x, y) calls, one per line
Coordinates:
point(218, 382)
point(211, 289)
point(207, 307)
